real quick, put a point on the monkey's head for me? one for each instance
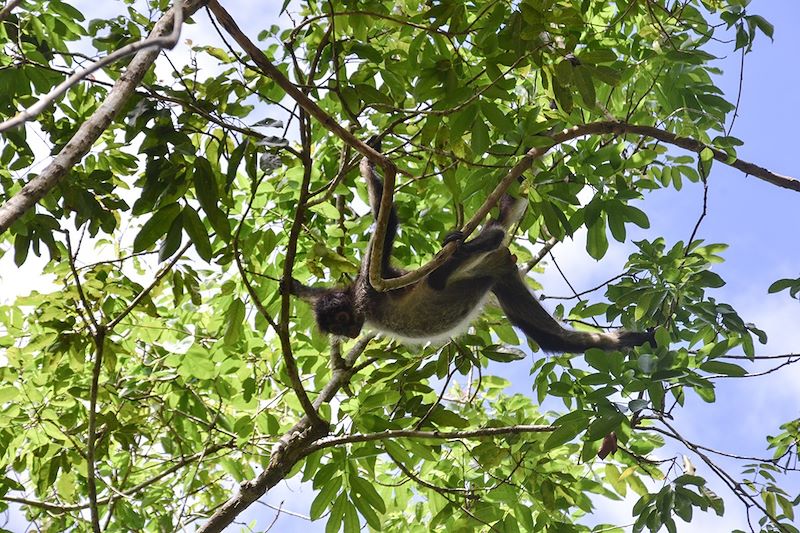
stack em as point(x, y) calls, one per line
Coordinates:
point(336, 313)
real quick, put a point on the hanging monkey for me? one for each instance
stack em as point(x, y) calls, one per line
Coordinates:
point(442, 304)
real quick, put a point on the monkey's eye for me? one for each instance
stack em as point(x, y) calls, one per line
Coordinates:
point(342, 317)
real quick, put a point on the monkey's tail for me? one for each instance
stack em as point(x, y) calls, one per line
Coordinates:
point(524, 311)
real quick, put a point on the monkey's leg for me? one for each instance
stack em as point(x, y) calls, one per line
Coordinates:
point(487, 241)
point(490, 238)
point(524, 311)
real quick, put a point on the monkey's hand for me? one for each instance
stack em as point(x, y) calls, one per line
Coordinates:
point(290, 286)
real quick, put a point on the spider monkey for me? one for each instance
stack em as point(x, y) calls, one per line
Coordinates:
point(443, 303)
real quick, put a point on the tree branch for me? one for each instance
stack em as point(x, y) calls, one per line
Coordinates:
point(91, 481)
point(139, 297)
point(417, 434)
point(8, 8)
point(159, 42)
point(90, 131)
point(292, 447)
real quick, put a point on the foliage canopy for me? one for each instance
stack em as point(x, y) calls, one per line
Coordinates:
point(162, 364)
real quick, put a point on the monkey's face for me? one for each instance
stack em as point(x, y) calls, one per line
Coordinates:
point(336, 314)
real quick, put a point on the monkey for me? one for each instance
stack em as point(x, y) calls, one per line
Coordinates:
point(441, 305)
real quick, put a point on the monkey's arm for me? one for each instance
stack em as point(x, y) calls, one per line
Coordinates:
point(524, 311)
point(304, 292)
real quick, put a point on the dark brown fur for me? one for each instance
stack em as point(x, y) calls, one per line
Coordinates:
point(442, 304)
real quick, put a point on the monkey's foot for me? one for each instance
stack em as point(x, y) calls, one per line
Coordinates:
point(456, 236)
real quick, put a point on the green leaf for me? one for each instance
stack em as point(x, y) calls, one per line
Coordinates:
point(596, 240)
point(496, 117)
point(196, 363)
point(21, 244)
point(205, 186)
point(325, 497)
point(460, 123)
point(334, 522)
point(234, 320)
point(762, 24)
point(156, 227)
point(719, 367)
point(365, 489)
point(583, 81)
point(197, 233)
point(648, 363)
point(783, 284)
point(351, 523)
point(8, 393)
point(563, 434)
point(636, 215)
point(235, 160)
point(480, 137)
point(172, 241)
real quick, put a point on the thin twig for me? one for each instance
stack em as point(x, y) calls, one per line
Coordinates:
point(99, 339)
point(536, 259)
point(418, 434)
point(81, 295)
point(90, 130)
point(288, 267)
point(142, 295)
point(464, 493)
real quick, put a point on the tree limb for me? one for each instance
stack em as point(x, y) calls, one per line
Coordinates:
point(292, 447)
point(6, 11)
point(90, 131)
point(417, 434)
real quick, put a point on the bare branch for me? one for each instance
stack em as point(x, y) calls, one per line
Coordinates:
point(91, 481)
point(8, 8)
point(139, 297)
point(417, 434)
point(465, 493)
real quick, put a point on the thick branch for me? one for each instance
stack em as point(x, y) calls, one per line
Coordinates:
point(442, 435)
point(294, 446)
point(90, 131)
point(8, 8)
point(168, 41)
